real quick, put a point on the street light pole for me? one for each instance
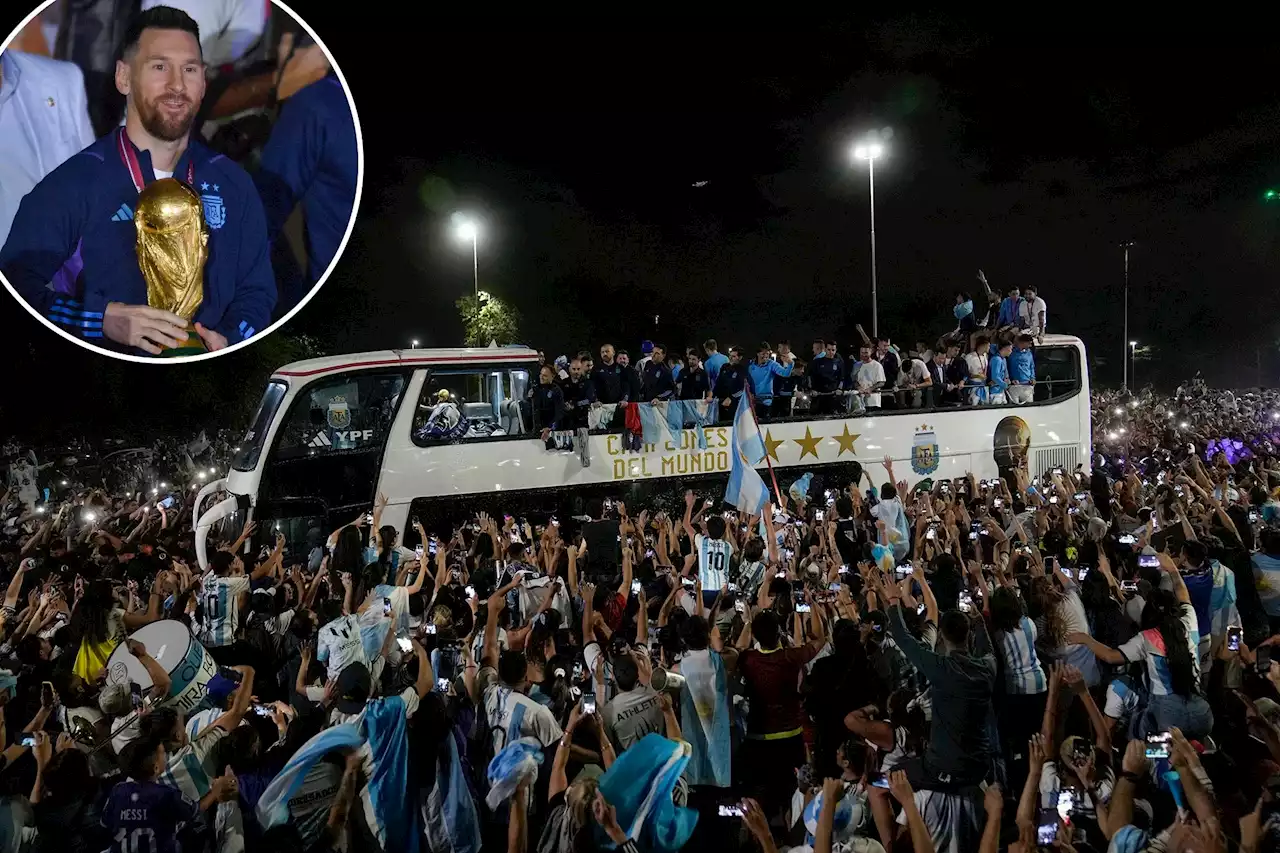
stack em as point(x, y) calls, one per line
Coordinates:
point(875, 313)
point(475, 258)
point(1133, 362)
point(869, 151)
point(1126, 246)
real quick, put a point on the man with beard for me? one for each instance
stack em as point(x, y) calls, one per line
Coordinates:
point(72, 253)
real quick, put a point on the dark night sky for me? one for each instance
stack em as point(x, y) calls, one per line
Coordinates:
point(1029, 150)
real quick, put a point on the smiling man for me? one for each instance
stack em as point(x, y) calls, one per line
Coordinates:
point(72, 254)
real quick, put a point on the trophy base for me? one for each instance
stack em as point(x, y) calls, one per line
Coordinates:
point(193, 345)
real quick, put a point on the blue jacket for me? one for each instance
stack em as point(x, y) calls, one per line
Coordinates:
point(762, 378)
point(712, 365)
point(312, 157)
point(72, 248)
point(1022, 365)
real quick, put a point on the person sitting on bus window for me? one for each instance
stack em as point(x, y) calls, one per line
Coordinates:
point(1022, 371)
point(548, 403)
point(447, 422)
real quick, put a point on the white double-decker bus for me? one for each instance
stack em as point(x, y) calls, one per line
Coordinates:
point(331, 434)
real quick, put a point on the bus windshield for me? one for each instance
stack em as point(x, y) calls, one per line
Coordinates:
point(255, 438)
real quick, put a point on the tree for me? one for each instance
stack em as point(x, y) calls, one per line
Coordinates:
point(486, 319)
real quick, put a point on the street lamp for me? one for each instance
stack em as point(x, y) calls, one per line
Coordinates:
point(869, 151)
point(413, 344)
point(1126, 246)
point(467, 229)
point(1133, 362)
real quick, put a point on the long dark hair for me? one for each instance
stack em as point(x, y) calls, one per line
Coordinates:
point(348, 553)
point(387, 536)
point(1164, 613)
point(89, 619)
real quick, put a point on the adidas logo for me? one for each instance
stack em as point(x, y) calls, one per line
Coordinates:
point(321, 440)
point(124, 214)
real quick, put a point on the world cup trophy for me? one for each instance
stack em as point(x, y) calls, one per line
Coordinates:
point(173, 245)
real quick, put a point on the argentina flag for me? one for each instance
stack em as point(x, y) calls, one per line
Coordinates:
point(746, 489)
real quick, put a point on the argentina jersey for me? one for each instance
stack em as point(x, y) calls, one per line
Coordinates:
point(221, 600)
point(713, 562)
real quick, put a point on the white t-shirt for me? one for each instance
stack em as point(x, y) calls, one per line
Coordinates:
point(1031, 312)
point(339, 644)
point(228, 28)
point(869, 374)
point(162, 174)
point(500, 704)
point(713, 561)
point(913, 372)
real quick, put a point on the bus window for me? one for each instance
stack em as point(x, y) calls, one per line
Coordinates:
point(341, 413)
point(1057, 373)
point(464, 405)
point(256, 437)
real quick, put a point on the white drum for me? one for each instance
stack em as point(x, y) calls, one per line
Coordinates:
point(189, 664)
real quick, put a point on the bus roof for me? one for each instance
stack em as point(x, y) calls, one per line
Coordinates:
point(408, 358)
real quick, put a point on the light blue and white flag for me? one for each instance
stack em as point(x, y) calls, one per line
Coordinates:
point(653, 423)
point(746, 489)
point(273, 805)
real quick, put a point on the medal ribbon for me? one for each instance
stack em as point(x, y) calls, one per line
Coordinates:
point(130, 158)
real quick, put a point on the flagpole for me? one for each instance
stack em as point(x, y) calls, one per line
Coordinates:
point(774, 477)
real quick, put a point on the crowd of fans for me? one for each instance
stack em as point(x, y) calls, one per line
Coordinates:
point(1052, 660)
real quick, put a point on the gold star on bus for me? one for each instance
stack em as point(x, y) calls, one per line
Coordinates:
point(808, 444)
point(772, 444)
point(846, 440)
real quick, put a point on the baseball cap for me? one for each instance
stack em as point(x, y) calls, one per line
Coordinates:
point(646, 347)
point(115, 700)
point(354, 686)
point(219, 688)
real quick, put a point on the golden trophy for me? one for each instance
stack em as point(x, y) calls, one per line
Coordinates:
point(173, 245)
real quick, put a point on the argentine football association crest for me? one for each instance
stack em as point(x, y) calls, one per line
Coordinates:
point(339, 414)
point(215, 213)
point(924, 451)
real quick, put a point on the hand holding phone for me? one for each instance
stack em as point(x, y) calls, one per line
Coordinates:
point(588, 703)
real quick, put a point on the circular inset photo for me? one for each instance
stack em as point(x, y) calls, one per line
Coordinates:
point(175, 184)
point(1011, 443)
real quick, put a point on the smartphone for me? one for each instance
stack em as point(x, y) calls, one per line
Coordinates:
point(635, 587)
point(418, 552)
point(1053, 499)
point(740, 606)
point(803, 608)
point(1262, 658)
point(1047, 828)
point(880, 780)
point(167, 503)
point(818, 516)
point(1066, 804)
point(835, 587)
point(471, 591)
point(1129, 586)
point(1233, 638)
point(1253, 517)
point(1148, 561)
point(386, 607)
point(46, 693)
point(1127, 539)
point(931, 534)
point(577, 670)
point(29, 740)
point(442, 684)
point(135, 694)
point(688, 583)
point(730, 810)
point(1158, 745)
point(430, 627)
point(263, 710)
point(588, 703)
point(966, 602)
point(368, 518)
